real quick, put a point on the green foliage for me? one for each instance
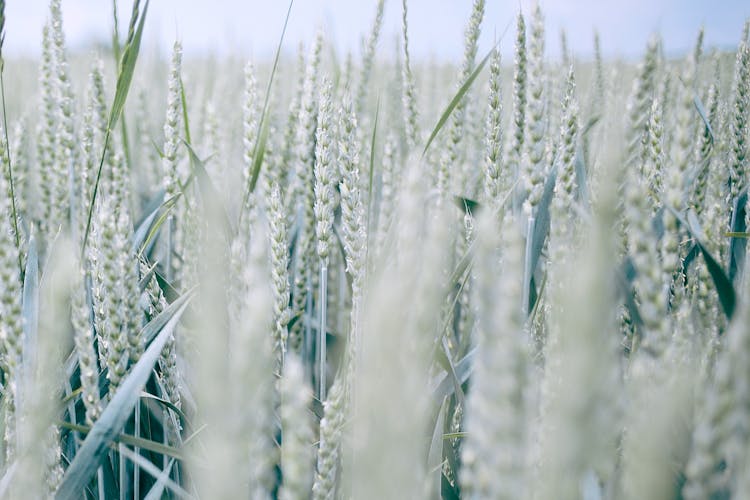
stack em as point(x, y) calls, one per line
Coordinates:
point(118, 410)
point(605, 285)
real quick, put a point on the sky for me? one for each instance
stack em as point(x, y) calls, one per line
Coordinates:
point(251, 28)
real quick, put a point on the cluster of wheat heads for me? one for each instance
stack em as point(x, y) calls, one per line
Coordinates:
point(375, 277)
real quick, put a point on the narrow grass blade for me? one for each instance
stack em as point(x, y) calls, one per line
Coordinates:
point(537, 233)
point(451, 369)
point(127, 64)
point(371, 176)
point(185, 121)
point(738, 244)
point(692, 253)
point(443, 385)
point(165, 403)
point(170, 292)
point(144, 225)
point(152, 329)
point(155, 472)
point(442, 357)
point(124, 79)
point(262, 137)
point(152, 205)
point(704, 116)
point(542, 220)
point(157, 490)
point(106, 429)
point(259, 154)
point(130, 440)
point(463, 265)
point(158, 150)
point(454, 435)
point(146, 278)
point(153, 229)
point(456, 99)
point(11, 180)
point(372, 148)
point(528, 269)
point(724, 287)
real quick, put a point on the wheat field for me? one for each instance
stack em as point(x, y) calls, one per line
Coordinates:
point(370, 276)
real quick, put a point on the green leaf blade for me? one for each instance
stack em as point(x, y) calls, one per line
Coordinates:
point(110, 424)
point(462, 91)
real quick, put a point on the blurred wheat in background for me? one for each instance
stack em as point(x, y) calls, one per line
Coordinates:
point(374, 276)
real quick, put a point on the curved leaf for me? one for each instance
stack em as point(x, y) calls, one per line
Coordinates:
point(143, 225)
point(153, 226)
point(127, 64)
point(456, 99)
point(724, 287)
point(692, 253)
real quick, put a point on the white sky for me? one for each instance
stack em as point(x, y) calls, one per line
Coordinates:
point(252, 27)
